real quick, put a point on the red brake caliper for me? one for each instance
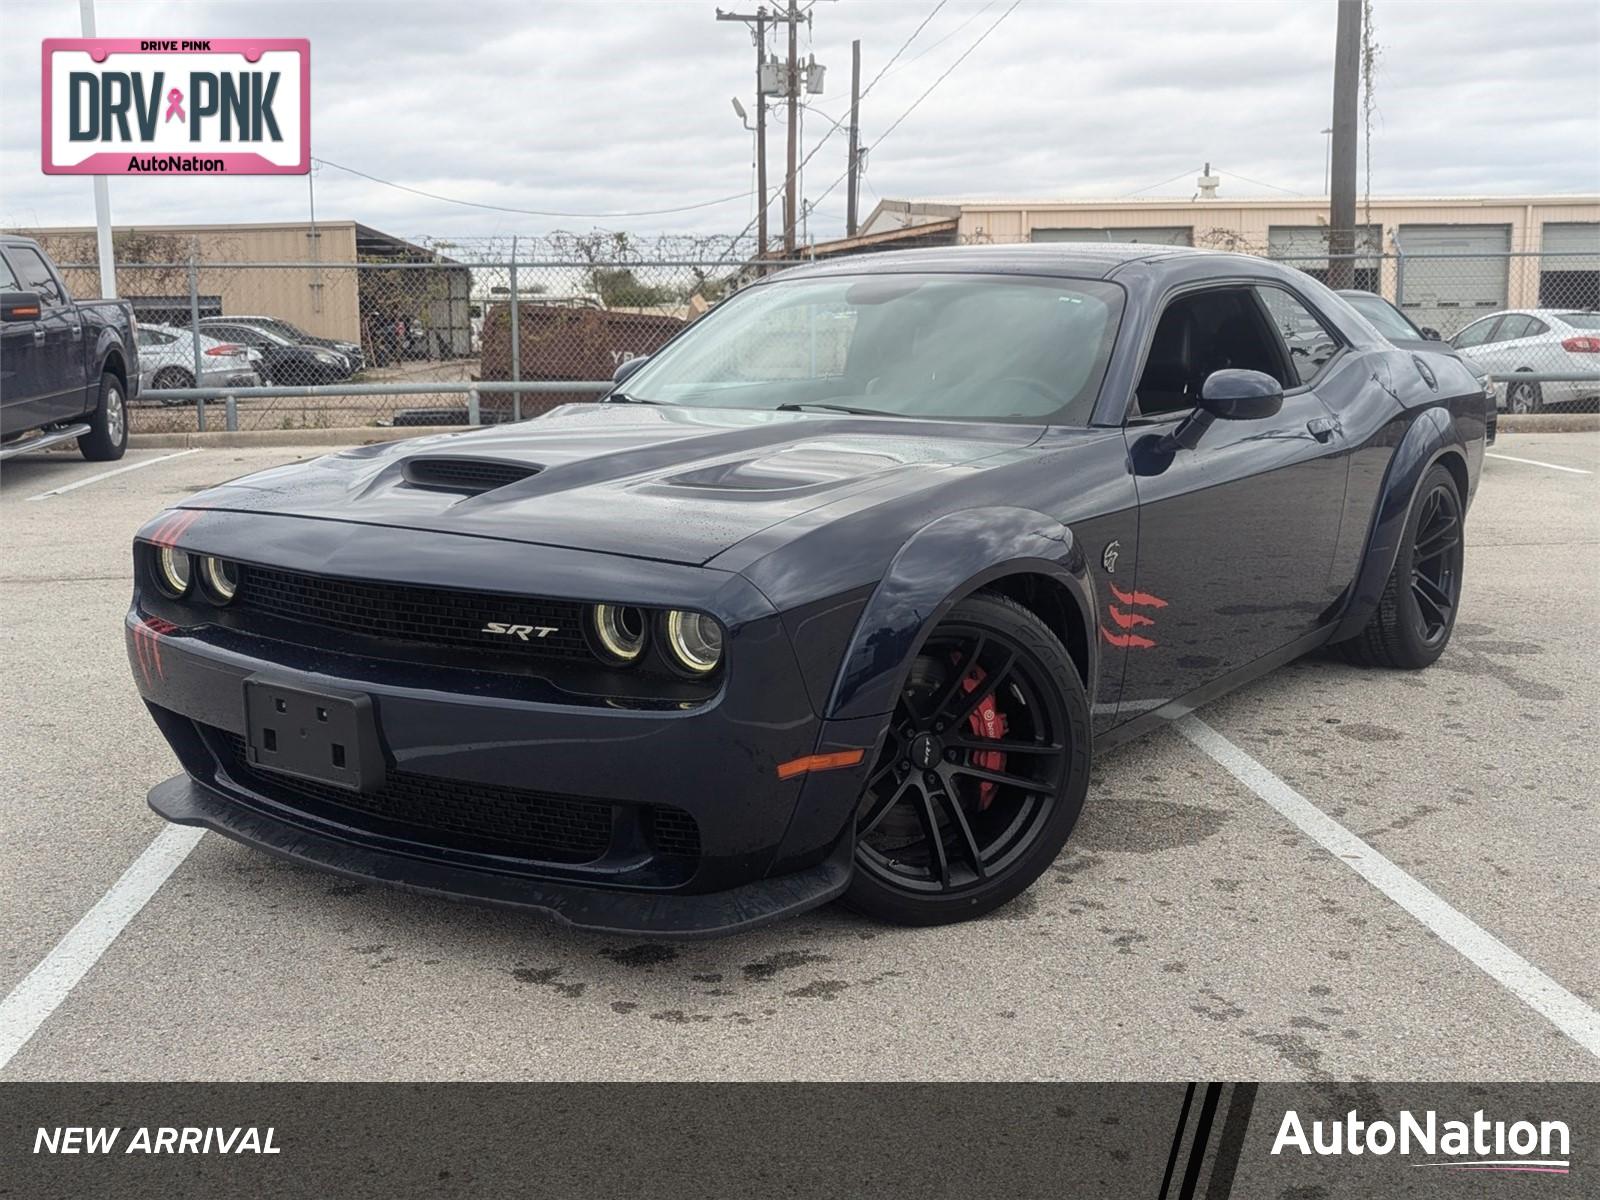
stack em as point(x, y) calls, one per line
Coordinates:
point(988, 723)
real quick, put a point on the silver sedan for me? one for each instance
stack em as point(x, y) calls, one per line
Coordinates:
point(166, 360)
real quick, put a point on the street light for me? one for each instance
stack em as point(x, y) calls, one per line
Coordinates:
point(743, 116)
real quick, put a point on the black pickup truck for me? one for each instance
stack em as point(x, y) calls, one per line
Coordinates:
point(67, 367)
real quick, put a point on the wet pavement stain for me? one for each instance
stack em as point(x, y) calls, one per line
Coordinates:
point(1370, 733)
point(1137, 825)
point(641, 957)
point(782, 960)
point(548, 977)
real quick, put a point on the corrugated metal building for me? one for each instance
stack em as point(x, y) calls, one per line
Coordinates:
point(331, 299)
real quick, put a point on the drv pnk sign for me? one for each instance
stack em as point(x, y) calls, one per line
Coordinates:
point(156, 106)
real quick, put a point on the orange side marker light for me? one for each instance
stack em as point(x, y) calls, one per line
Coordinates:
point(820, 762)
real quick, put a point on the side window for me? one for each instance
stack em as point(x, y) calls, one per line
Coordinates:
point(1197, 334)
point(36, 277)
point(1535, 327)
point(1475, 334)
point(1514, 326)
point(1311, 345)
point(8, 277)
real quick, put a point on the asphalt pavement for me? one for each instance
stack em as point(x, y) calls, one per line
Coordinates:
point(1189, 930)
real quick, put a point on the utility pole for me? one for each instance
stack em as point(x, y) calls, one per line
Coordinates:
point(758, 20)
point(102, 193)
point(791, 83)
point(855, 139)
point(1342, 162)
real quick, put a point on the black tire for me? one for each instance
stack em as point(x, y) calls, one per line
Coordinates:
point(1412, 624)
point(942, 836)
point(107, 438)
point(1524, 397)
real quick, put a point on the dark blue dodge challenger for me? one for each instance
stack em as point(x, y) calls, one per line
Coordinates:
point(833, 596)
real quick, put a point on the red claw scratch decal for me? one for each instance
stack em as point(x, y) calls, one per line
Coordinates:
point(1130, 620)
point(173, 526)
point(147, 637)
point(1144, 599)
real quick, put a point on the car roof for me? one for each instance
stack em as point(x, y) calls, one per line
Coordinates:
point(1094, 260)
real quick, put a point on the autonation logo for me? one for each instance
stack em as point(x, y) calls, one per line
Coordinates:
point(1476, 1145)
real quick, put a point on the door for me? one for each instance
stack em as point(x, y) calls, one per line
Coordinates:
point(20, 380)
point(1453, 274)
point(53, 350)
point(1237, 536)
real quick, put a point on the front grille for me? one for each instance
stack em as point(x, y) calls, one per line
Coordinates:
point(471, 475)
point(473, 816)
point(516, 822)
point(437, 616)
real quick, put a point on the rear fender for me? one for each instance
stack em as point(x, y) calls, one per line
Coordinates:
point(948, 559)
point(1431, 437)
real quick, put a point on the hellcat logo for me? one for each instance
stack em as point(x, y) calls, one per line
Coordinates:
point(206, 106)
point(1476, 1145)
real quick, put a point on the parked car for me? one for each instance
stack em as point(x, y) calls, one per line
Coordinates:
point(836, 594)
point(1402, 331)
point(166, 360)
point(67, 367)
point(1554, 340)
point(282, 360)
point(350, 350)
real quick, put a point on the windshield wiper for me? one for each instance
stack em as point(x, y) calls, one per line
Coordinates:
point(624, 398)
point(839, 408)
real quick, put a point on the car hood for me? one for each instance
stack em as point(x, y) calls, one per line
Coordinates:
point(666, 483)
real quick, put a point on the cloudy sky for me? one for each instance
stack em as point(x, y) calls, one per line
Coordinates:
point(594, 107)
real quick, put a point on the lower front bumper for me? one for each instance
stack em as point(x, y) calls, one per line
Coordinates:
point(185, 801)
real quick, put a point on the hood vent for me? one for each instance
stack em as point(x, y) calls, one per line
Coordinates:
point(471, 476)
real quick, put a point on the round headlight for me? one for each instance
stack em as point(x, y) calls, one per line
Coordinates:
point(174, 570)
point(221, 578)
point(695, 641)
point(619, 628)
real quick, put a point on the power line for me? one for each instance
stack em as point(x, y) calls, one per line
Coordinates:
point(927, 50)
point(534, 212)
point(931, 15)
point(735, 240)
point(1260, 183)
point(1162, 183)
point(945, 74)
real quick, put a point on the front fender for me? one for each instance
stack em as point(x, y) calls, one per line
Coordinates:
point(947, 559)
point(1431, 437)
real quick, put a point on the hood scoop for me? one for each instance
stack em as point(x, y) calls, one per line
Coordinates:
point(467, 476)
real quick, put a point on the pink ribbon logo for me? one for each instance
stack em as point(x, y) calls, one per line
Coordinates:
point(175, 105)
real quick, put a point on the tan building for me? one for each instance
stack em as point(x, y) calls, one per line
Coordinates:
point(1447, 260)
point(252, 270)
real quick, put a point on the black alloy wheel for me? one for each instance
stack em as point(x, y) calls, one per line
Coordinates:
point(1412, 624)
point(982, 772)
point(1436, 565)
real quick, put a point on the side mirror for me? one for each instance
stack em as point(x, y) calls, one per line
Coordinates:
point(1232, 395)
point(1227, 395)
point(624, 369)
point(19, 306)
point(1432, 334)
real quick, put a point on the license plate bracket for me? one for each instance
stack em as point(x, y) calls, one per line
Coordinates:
point(324, 735)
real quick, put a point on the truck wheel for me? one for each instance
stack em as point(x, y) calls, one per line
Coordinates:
point(108, 424)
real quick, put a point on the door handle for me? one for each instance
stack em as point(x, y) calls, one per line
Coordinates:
point(1323, 428)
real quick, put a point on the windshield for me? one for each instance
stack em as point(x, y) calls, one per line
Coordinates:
point(1390, 322)
point(282, 328)
point(965, 347)
point(1581, 320)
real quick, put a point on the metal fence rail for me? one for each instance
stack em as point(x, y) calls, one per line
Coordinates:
point(411, 341)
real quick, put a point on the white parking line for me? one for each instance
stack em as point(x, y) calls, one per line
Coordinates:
point(147, 462)
point(1534, 462)
point(1528, 983)
point(49, 983)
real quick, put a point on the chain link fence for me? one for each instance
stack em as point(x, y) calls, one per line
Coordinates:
point(384, 330)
